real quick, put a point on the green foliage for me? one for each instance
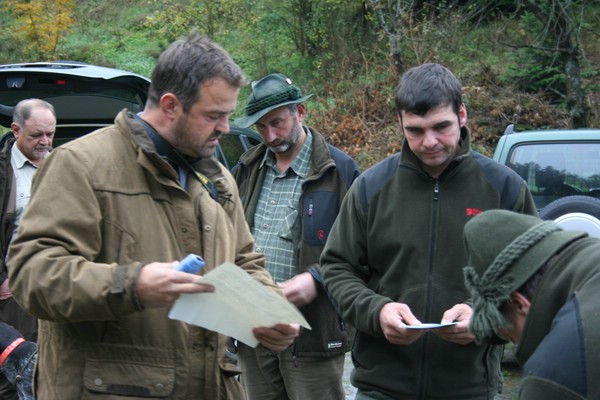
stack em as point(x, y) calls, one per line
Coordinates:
point(114, 39)
point(337, 49)
point(535, 71)
point(40, 25)
point(174, 18)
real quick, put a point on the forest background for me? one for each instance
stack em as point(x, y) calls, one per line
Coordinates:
point(534, 63)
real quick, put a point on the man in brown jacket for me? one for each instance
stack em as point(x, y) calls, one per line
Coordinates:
point(110, 214)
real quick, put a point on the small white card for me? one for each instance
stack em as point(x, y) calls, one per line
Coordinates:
point(428, 326)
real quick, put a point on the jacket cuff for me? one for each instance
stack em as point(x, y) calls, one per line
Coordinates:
point(316, 273)
point(134, 297)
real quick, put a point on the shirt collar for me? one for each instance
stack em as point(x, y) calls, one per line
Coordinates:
point(19, 158)
point(301, 163)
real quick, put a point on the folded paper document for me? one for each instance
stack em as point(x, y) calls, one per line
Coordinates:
point(238, 304)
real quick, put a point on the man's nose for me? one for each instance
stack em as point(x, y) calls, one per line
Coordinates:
point(45, 140)
point(223, 125)
point(430, 138)
point(270, 133)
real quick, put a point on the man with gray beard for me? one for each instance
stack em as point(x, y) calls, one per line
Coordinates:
point(292, 187)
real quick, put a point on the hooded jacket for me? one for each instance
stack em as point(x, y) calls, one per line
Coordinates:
point(398, 238)
point(331, 174)
point(103, 206)
point(559, 343)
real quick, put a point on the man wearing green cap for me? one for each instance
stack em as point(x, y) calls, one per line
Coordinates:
point(537, 285)
point(292, 186)
point(394, 258)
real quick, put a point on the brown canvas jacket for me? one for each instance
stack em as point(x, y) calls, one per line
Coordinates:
point(101, 207)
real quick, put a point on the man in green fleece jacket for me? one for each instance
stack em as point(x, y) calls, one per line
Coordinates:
point(536, 285)
point(394, 257)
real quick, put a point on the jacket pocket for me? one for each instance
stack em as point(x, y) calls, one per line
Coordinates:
point(231, 388)
point(123, 378)
point(319, 212)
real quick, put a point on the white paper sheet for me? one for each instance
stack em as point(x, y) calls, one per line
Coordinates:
point(238, 304)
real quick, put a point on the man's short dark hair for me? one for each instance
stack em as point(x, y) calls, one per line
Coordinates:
point(188, 63)
point(428, 86)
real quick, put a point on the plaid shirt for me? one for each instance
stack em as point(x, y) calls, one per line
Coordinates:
point(277, 211)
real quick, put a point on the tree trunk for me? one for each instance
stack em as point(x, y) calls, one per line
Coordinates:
point(560, 22)
point(575, 95)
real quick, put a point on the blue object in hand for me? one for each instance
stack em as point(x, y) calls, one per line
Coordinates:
point(191, 264)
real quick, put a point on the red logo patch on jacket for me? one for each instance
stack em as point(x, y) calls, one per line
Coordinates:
point(471, 212)
point(321, 234)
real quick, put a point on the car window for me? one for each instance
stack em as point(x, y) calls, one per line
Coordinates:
point(103, 99)
point(232, 146)
point(555, 170)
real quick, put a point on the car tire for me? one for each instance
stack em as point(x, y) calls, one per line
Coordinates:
point(575, 213)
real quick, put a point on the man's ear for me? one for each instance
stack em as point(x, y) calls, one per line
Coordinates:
point(16, 129)
point(171, 106)
point(301, 112)
point(399, 115)
point(462, 115)
point(522, 303)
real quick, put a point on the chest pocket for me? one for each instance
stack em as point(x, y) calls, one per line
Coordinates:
point(289, 222)
point(319, 212)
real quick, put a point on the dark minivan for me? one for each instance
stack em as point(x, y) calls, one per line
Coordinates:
point(87, 97)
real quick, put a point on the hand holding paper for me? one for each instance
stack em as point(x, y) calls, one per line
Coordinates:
point(238, 304)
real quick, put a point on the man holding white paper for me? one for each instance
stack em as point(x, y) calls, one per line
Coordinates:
point(109, 214)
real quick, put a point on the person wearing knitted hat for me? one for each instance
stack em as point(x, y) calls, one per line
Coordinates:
point(292, 186)
point(393, 261)
point(536, 285)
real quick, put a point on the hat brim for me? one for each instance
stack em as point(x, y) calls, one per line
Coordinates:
point(248, 121)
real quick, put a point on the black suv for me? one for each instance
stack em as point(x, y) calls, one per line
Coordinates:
point(87, 97)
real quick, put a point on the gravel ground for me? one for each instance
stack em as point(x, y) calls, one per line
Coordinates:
point(512, 376)
point(350, 390)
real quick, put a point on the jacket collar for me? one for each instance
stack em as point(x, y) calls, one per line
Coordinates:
point(563, 279)
point(209, 167)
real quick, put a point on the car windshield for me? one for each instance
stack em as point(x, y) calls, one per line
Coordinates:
point(555, 170)
point(48, 87)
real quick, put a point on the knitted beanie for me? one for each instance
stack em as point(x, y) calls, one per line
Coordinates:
point(504, 249)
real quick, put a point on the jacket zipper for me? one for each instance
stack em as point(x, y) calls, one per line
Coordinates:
point(435, 205)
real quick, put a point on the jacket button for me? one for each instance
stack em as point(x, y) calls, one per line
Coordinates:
point(159, 387)
point(207, 228)
point(98, 382)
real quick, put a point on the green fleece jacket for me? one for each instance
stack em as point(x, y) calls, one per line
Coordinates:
point(398, 238)
point(560, 340)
